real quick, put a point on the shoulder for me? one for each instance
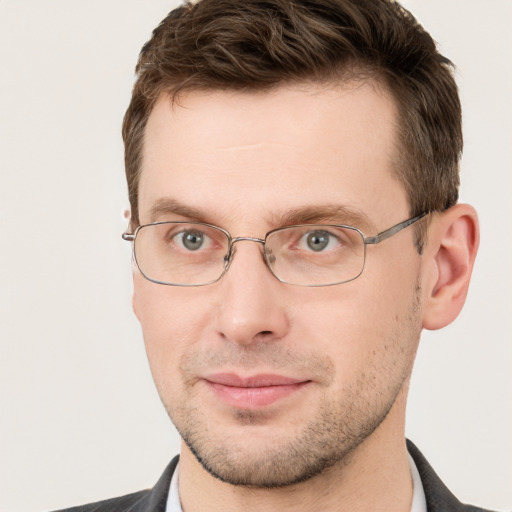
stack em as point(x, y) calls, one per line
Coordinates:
point(129, 502)
point(151, 500)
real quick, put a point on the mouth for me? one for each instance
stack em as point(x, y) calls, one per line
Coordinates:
point(253, 392)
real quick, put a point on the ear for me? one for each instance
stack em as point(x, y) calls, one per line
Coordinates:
point(450, 253)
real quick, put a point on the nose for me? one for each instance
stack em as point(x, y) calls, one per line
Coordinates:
point(253, 306)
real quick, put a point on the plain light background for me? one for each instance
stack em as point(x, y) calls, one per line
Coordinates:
point(80, 419)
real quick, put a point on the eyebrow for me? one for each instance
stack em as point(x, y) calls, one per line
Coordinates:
point(164, 208)
point(330, 213)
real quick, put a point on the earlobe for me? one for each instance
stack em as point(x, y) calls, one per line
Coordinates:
point(451, 251)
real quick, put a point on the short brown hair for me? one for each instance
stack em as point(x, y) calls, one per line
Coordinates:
point(259, 44)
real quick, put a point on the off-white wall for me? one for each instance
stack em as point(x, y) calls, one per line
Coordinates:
point(80, 419)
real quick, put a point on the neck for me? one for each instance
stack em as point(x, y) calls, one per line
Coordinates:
point(375, 476)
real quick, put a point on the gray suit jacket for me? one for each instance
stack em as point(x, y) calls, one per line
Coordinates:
point(439, 498)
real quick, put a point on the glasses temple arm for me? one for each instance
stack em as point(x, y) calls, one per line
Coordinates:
point(392, 230)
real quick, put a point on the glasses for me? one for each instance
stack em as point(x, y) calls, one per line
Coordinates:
point(197, 254)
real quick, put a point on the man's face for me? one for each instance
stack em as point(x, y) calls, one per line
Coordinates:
point(270, 383)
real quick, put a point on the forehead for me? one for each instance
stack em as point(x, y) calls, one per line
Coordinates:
point(249, 154)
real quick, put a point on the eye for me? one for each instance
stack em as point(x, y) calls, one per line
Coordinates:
point(192, 240)
point(318, 240)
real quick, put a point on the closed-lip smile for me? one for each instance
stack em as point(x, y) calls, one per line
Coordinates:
point(254, 391)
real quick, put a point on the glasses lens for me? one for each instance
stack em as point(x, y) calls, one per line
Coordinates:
point(315, 255)
point(181, 253)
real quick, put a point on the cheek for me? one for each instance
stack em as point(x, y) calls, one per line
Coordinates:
point(368, 325)
point(172, 322)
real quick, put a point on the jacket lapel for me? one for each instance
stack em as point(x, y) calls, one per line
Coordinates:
point(438, 496)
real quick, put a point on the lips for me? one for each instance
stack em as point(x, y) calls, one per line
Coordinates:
point(255, 391)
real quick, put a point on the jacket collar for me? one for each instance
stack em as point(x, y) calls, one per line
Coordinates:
point(438, 496)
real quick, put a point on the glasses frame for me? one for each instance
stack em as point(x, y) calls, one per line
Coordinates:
point(228, 258)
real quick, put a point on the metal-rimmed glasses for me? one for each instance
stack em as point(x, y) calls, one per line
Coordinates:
point(180, 253)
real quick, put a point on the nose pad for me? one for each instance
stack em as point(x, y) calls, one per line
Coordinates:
point(228, 257)
point(268, 256)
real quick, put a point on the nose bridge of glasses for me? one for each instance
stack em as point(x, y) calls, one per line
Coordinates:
point(237, 239)
point(247, 239)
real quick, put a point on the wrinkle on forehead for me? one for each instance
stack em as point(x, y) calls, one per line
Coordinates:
point(253, 161)
point(248, 147)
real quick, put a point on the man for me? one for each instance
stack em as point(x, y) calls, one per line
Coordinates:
point(293, 178)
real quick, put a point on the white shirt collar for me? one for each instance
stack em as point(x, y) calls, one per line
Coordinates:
point(419, 502)
point(173, 499)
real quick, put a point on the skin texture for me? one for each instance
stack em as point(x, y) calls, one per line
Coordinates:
point(250, 162)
